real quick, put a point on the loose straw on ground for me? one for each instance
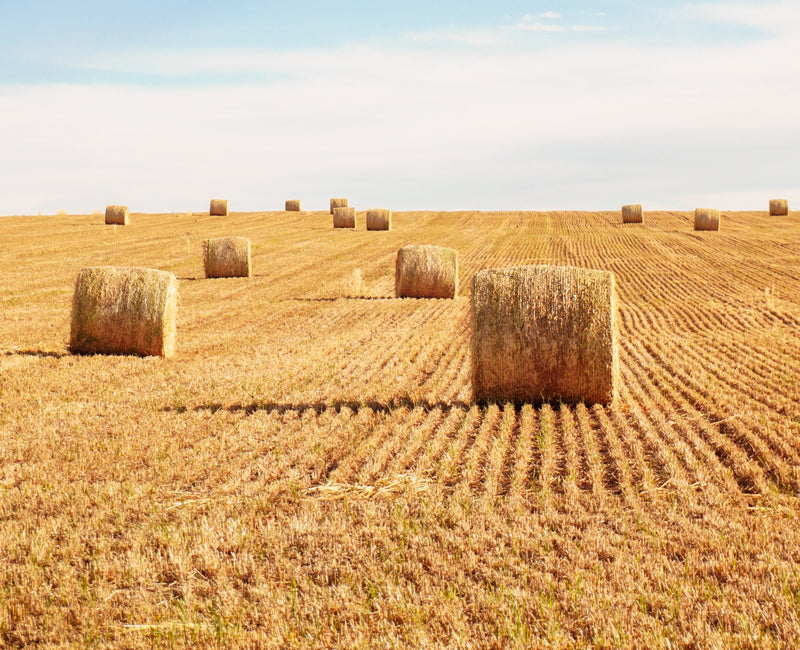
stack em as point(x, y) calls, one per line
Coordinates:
point(543, 334)
point(124, 311)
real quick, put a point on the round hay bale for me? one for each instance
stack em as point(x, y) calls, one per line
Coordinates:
point(338, 203)
point(293, 205)
point(344, 217)
point(706, 219)
point(543, 334)
point(632, 213)
point(124, 311)
point(227, 257)
point(426, 272)
point(117, 215)
point(778, 207)
point(379, 219)
point(219, 208)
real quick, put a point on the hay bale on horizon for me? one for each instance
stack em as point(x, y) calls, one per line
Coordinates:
point(124, 311)
point(219, 208)
point(338, 203)
point(117, 215)
point(543, 334)
point(424, 271)
point(778, 207)
point(632, 213)
point(706, 219)
point(344, 217)
point(293, 205)
point(379, 219)
point(227, 257)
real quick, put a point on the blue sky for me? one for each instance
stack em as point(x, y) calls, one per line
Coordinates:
point(407, 105)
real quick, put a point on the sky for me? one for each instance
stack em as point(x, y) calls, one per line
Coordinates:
point(408, 105)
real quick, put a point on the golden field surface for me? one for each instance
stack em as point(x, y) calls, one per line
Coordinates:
point(309, 470)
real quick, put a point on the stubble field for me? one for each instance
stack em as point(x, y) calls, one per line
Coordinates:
point(310, 470)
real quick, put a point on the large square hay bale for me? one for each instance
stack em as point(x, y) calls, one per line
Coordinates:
point(117, 215)
point(778, 207)
point(344, 217)
point(293, 205)
point(124, 311)
point(632, 213)
point(219, 208)
point(706, 219)
point(543, 334)
point(426, 272)
point(227, 257)
point(338, 203)
point(379, 219)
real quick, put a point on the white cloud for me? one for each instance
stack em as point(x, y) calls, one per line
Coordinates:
point(538, 27)
point(550, 14)
point(776, 17)
point(564, 125)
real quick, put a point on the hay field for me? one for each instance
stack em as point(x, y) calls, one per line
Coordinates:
point(309, 470)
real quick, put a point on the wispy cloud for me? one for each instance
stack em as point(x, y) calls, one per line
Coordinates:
point(777, 17)
point(413, 127)
point(550, 14)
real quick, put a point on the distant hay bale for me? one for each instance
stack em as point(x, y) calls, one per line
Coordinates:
point(778, 207)
point(124, 311)
point(632, 213)
point(426, 272)
point(344, 217)
point(543, 334)
point(227, 257)
point(338, 203)
point(293, 205)
point(117, 215)
point(219, 208)
point(379, 219)
point(706, 219)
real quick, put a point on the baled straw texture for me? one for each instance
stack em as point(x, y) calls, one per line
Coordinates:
point(227, 257)
point(543, 334)
point(219, 208)
point(117, 215)
point(706, 219)
point(379, 219)
point(344, 217)
point(632, 213)
point(426, 272)
point(293, 205)
point(338, 203)
point(778, 207)
point(124, 311)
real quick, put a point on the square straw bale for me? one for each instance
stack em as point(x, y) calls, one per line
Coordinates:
point(544, 334)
